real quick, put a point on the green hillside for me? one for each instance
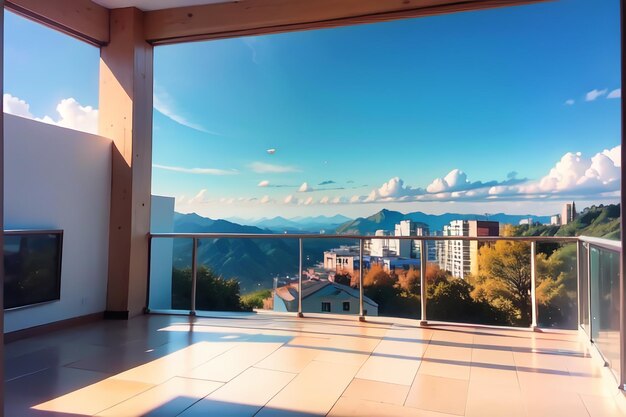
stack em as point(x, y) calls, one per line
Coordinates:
point(597, 221)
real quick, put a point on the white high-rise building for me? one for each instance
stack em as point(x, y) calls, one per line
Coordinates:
point(402, 248)
point(460, 257)
point(568, 213)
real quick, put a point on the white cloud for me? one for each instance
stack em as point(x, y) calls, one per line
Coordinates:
point(594, 94)
point(324, 200)
point(70, 113)
point(265, 168)
point(455, 180)
point(198, 171)
point(16, 106)
point(308, 201)
point(305, 188)
point(265, 199)
point(392, 189)
point(264, 183)
point(617, 93)
point(573, 176)
point(199, 198)
point(615, 154)
point(290, 199)
point(569, 102)
point(164, 104)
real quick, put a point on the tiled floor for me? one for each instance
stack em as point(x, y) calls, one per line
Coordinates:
point(267, 365)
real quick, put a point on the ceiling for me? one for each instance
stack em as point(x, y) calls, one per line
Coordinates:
point(156, 4)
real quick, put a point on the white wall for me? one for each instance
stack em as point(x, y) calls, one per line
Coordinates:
point(161, 221)
point(57, 178)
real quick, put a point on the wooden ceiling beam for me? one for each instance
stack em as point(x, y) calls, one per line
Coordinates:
point(82, 19)
point(257, 17)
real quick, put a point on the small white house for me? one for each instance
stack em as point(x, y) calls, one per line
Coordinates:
point(322, 297)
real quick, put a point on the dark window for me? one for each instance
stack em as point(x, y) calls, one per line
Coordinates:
point(346, 306)
point(325, 306)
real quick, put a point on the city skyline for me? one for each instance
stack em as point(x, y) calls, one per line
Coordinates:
point(437, 114)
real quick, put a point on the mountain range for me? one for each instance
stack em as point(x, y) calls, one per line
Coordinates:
point(255, 262)
point(387, 219)
point(296, 224)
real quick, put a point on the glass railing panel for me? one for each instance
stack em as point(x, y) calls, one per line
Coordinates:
point(170, 274)
point(240, 274)
point(391, 279)
point(605, 307)
point(557, 285)
point(330, 278)
point(583, 287)
point(481, 282)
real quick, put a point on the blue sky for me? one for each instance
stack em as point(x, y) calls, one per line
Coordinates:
point(471, 112)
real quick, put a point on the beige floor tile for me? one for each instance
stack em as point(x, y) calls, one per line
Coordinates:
point(25, 392)
point(177, 363)
point(243, 396)
point(443, 395)
point(289, 359)
point(492, 376)
point(314, 391)
point(493, 356)
point(494, 401)
point(459, 338)
point(404, 350)
point(168, 399)
point(551, 403)
point(233, 362)
point(95, 398)
point(390, 370)
point(365, 389)
point(450, 353)
point(600, 406)
point(444, 369)
point(354, 407)
point(56, 372)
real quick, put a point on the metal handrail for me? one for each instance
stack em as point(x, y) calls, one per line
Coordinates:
point(571, 239)
point(612, 245)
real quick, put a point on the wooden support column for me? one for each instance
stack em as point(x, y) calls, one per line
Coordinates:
point(126, 117)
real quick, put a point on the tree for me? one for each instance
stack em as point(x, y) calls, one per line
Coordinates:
point(557, 287)
point(409, 281)
point(255, 299)
point(504, 279)
point(343, 279)
point(381, 286)
point(214, 293)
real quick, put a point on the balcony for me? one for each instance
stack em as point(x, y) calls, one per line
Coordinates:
point(279, 365)
point(169, 355)
point(192, 362)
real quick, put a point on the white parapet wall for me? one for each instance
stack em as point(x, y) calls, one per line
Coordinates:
point(57, 178)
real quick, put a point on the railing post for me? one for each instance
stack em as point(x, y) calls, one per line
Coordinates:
point(300, 282)
point(146, 309)
point(194, 275)
point(423, 289)
point(361, 270)
point(579, 252)
point(622, 323)
point(533, 284)
point(590, 314)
